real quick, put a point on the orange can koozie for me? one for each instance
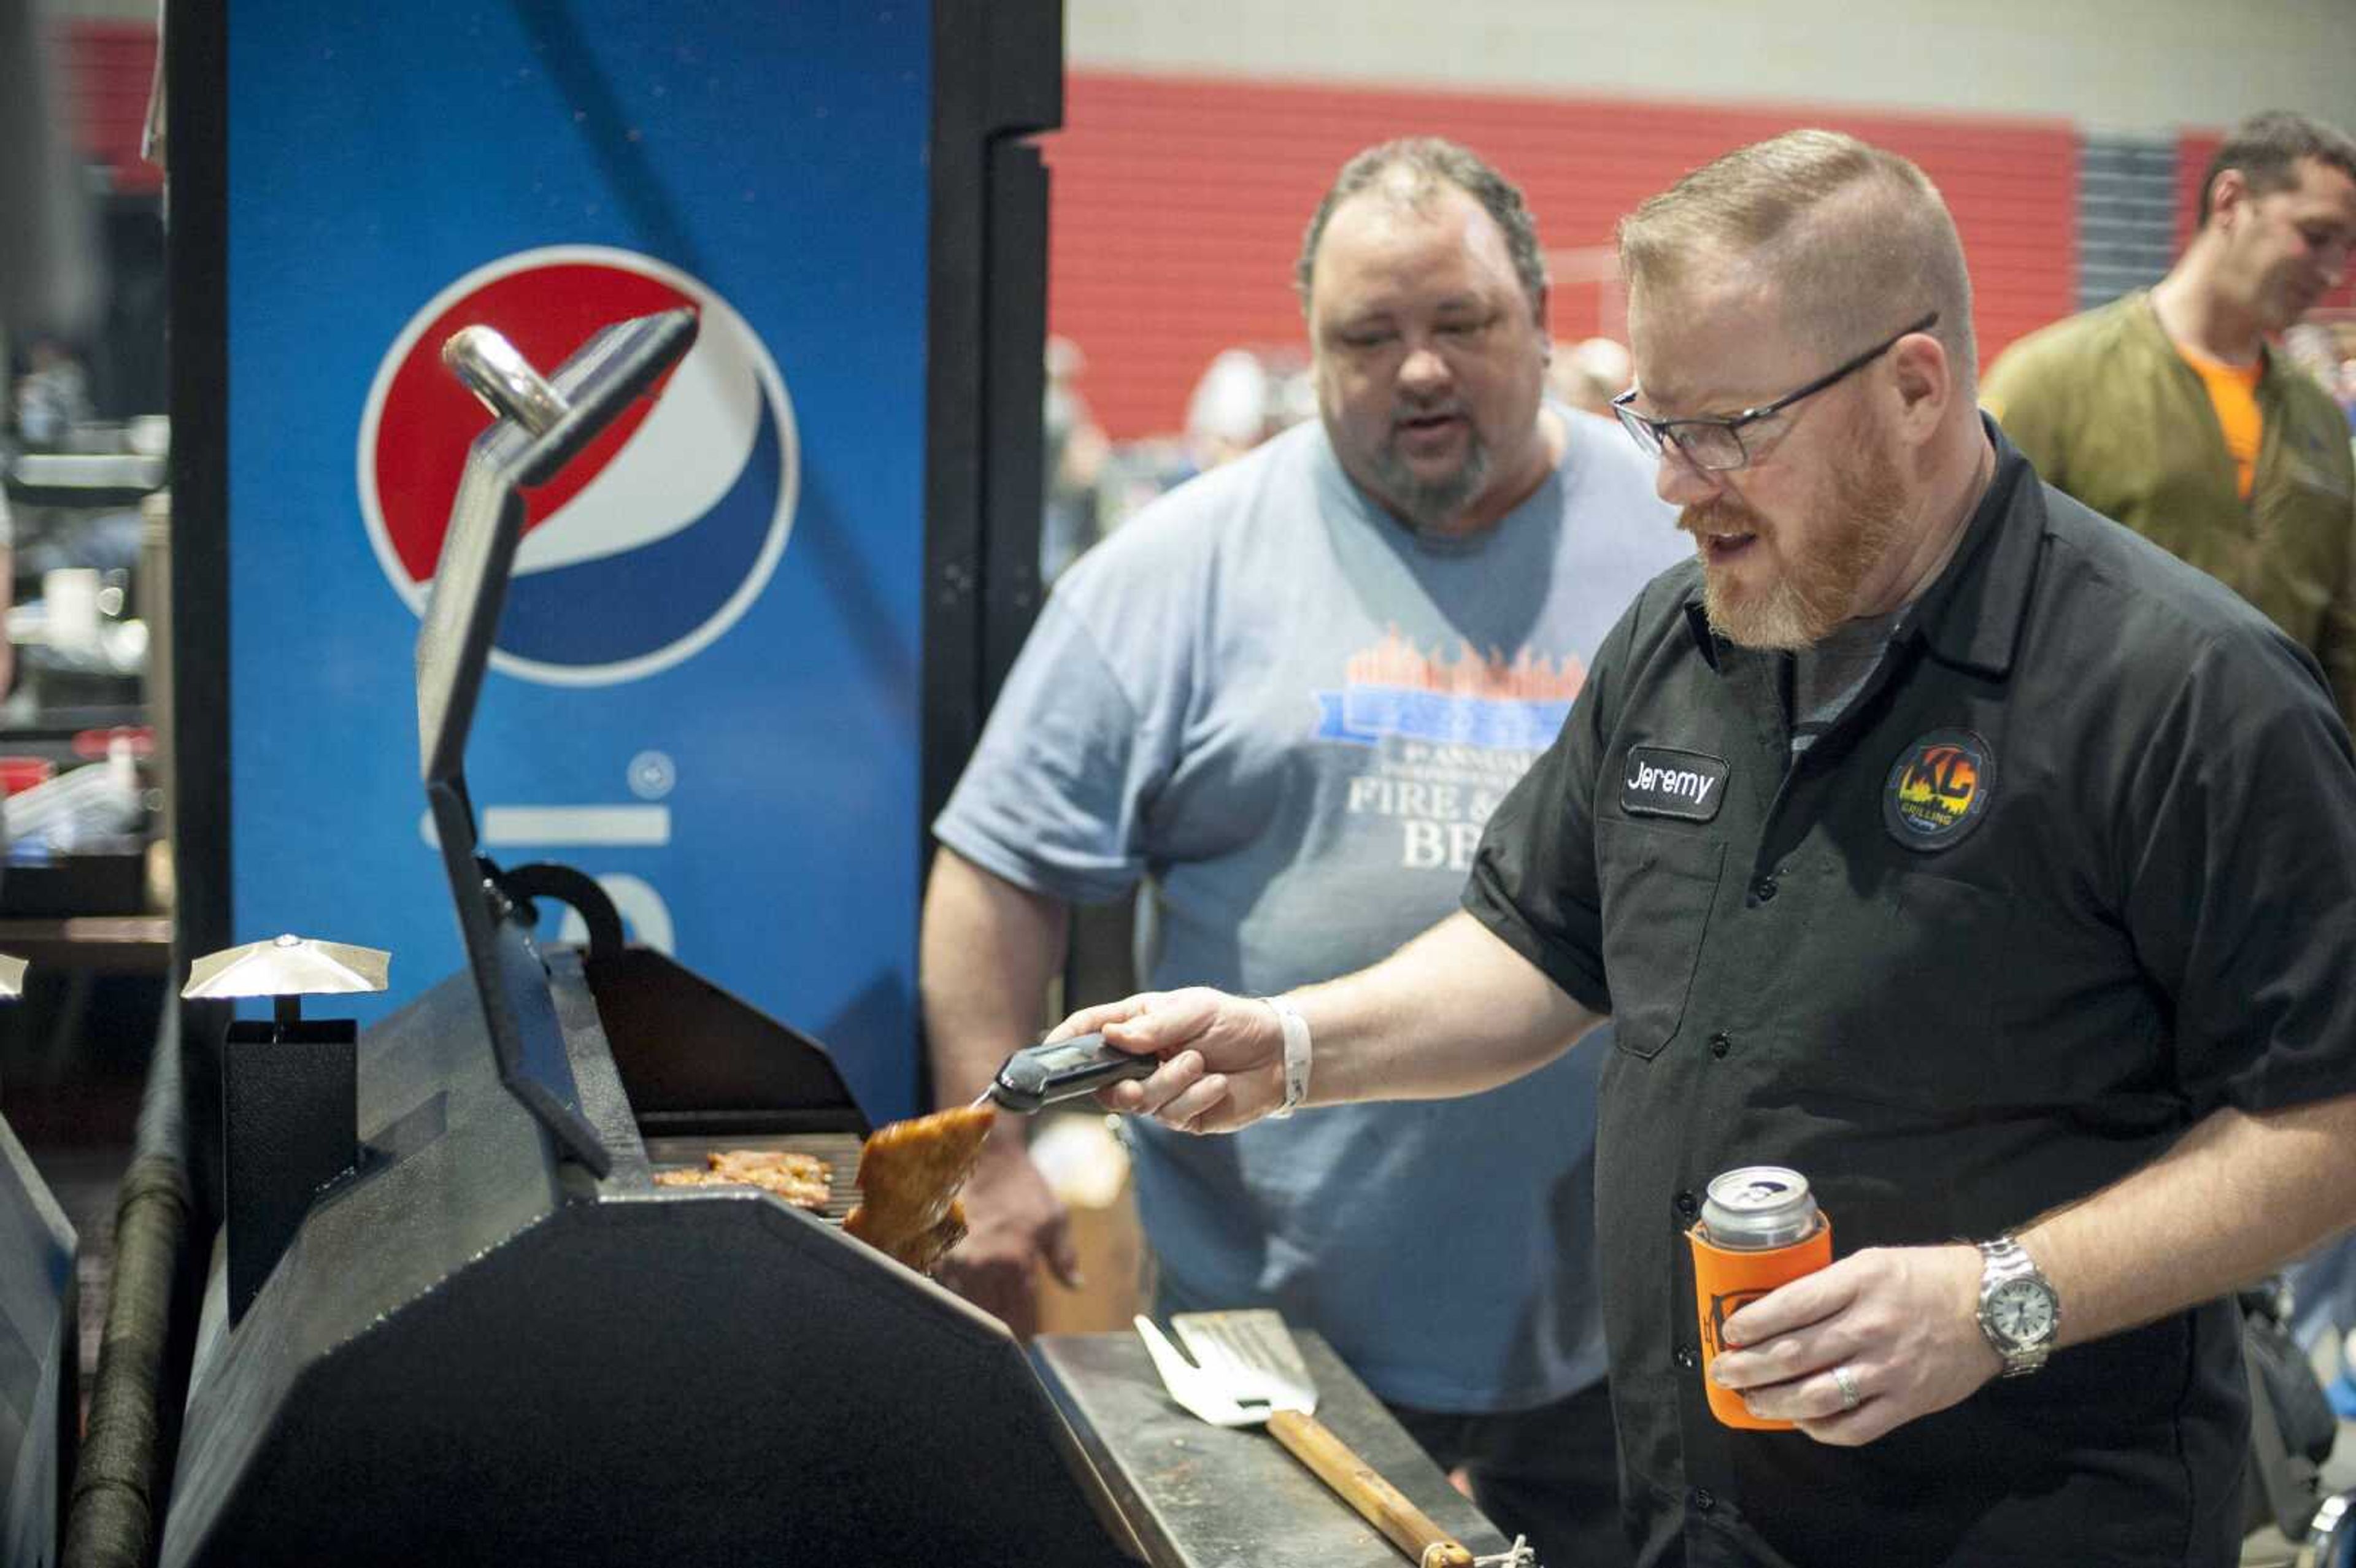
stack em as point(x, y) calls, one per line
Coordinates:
point(1760, 1228)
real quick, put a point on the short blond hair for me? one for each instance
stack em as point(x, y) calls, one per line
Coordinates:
point(1857, 239)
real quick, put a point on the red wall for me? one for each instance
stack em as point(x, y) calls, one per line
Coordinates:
point(107, 67)
point(1179, 205)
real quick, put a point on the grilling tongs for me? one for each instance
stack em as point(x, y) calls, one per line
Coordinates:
point(1247, 1371)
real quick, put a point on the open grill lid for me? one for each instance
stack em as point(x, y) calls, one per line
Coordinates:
point(544, 424)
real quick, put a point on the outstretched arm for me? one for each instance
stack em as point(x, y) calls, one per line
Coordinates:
point(1454, 1012)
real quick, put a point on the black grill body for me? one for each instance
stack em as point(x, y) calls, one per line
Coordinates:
point(496, 1339)
point(474, 1351)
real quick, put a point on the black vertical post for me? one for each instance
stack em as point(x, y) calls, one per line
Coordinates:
point(196, 43)
point(998, 79)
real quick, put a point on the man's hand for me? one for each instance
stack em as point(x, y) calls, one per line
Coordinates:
point(1901, 1322)
point(1222, 1057)
point(1017, 1222)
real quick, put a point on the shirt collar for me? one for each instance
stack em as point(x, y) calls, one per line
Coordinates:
point(1971, 615)
point(2145, 315)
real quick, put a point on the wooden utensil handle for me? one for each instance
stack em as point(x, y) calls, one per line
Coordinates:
point(1382, 1505)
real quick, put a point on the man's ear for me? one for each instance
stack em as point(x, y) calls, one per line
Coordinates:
point(1920, 374)
point(2227, 193)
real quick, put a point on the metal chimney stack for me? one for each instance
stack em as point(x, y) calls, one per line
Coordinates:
point(290, 1091)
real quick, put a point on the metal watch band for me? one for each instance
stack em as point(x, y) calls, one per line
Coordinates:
point(1296, 1055)
point(2004, 1260)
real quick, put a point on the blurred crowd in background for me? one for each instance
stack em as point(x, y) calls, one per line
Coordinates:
point(1246, 394)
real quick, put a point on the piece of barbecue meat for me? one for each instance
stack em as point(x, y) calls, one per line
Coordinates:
point(909, 1174)
point(801, 1179)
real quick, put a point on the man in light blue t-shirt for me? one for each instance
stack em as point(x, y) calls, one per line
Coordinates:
point(1286, 696)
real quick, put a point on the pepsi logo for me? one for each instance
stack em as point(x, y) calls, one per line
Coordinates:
point(658, 536)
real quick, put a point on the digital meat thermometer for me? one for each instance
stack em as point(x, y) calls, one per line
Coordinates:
point(1042, 1074)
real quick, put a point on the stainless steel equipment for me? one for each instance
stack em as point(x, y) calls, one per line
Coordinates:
point(1206, 1496)
point(1245, 1371)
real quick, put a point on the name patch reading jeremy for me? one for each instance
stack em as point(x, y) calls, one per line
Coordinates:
point(1665, 783)
point(1939, 789)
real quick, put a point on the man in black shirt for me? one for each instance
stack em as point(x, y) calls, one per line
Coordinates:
point(1932, 835)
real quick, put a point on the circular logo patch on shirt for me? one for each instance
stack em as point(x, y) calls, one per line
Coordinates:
point(1939, 789)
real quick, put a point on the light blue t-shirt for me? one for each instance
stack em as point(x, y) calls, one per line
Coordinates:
point(1290, 714)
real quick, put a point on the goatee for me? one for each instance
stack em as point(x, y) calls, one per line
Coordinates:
point(1863, 515)
point(1428, 506)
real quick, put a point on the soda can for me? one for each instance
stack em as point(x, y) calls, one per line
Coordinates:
point(1760, 1228)
point(1756, 1208)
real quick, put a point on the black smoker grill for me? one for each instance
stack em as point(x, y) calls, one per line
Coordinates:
point(490, 1338)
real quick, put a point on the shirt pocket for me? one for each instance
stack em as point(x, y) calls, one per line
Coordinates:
point(1658, 887)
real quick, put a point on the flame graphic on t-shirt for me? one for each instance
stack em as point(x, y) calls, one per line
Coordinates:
point(1530, 676)
point(1470, 698)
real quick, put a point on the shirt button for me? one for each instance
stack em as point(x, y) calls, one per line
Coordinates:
point(1687, 1358)
point(1720, 1045)
point(1762, 890)
point(1687, 1206)
point(1703, 1499)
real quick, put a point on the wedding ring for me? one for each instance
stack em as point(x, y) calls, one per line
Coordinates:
point(1845, 1380)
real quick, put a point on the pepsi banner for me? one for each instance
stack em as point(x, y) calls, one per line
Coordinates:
point(706, 689)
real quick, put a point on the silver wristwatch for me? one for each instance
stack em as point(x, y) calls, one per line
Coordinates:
point(2020, 1310)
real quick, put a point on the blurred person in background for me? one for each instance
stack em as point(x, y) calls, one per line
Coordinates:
point(1589, 375)
point(2169, 411)
point(1074, 460)
point(1242, 397)
point(1284, 697)
point(2317, 347)
point(1228, 412)
point(52, 396)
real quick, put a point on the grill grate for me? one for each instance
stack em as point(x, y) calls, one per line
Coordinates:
point(839, 1150)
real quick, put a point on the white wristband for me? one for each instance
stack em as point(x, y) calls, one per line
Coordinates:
point(1296, 1055)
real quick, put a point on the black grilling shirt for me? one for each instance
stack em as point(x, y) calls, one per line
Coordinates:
point(2072, 870)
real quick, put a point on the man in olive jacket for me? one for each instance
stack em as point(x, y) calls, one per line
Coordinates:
point(2167, 410)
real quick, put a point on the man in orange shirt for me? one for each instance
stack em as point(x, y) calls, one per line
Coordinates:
point(2167, 409)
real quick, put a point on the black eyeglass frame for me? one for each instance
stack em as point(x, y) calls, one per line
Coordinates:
point(1651, 435)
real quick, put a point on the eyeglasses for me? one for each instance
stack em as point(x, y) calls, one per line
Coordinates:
point(1716, 445)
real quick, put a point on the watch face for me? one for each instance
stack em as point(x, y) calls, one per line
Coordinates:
point(2021, 1311)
